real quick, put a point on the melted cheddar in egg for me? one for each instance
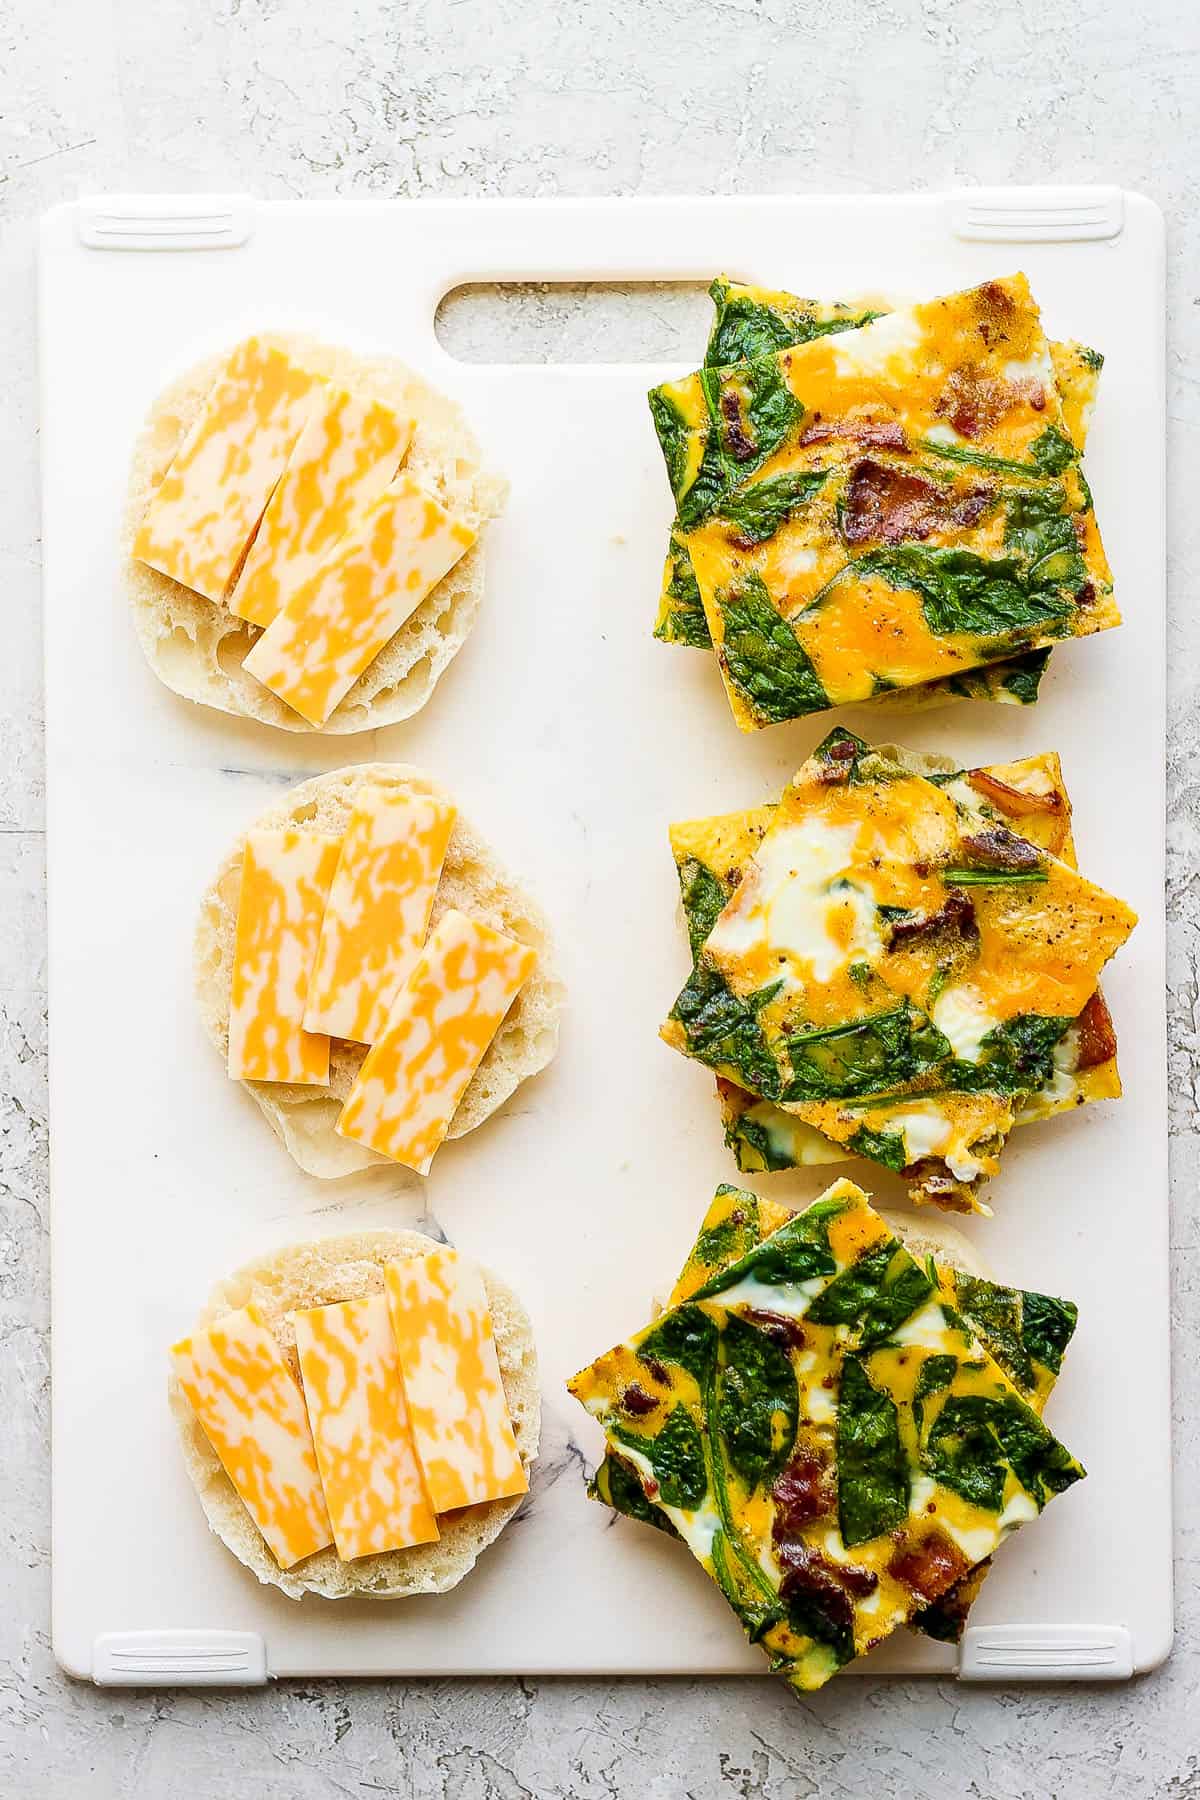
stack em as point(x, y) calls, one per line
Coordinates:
point(910, 1026)
point(883, 507)
point(827, 1433)
point(1027, 1333)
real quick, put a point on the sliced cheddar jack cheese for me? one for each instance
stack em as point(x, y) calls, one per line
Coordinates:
point(354, 1390)
point(378, 910)
point(251, 1410)
point(442, 1021)
point(397, 550)
point(286, 876)
point(456, 1404)
point(208, 504)
point(348, 452)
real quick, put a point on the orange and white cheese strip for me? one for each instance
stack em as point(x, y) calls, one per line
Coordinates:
point(286, 877)
point(208, 504)
point(378, 910)
point(348, 452)
point(396, 551)
point(456, 1404)
point(354, 1390)
point(251, 1410)
point(443, 1020)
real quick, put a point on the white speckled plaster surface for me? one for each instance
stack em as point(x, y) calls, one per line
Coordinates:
point(286, 98)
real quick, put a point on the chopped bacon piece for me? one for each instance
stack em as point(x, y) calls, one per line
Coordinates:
point(637, 1401)
point(973, 401)
point(838, 761)
point(884, 504)
point(929, 1566)
point(735, 430)
point(834, 1585)
point(875, 434)
point(995, 847)
point(803, 1492)
point(888, 505)
point(1097, 1039)
point(787, 1332)
point(956, 915)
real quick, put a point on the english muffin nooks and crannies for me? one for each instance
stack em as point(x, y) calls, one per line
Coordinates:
point(436, 1403)
point(288, 502)
point(319, 916)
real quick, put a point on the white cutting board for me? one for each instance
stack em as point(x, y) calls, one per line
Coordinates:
point(571, 738)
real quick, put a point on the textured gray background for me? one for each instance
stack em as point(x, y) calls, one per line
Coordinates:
point(288, 97)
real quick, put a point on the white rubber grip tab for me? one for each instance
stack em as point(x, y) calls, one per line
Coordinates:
point(182, 222)
point(1046, 1653)
point(1037, 215)
point(179, 1659)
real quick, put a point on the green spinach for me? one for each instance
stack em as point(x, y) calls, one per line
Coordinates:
point(673, 435)
point(1052, 452)
point(683, 621)
point(1040, 530)
point(1017, 1057)
point(745, 327)
point(763, 657)
point(746, 1134)
point(616, 1484)
point(886, 1147)
point(937, 1372)
point(685, 1336)
point(995, 1313)
point(868, 1057)
point(873, 1484)
point(723, 1029)
point(797, 1252)
point(969, 877)
point(732, 1236)
point(752, 409)
point(703, 898)
point(961, 591)
point(756, 512)
point(1048, 1325)
point(975, 1440)
point(676, 1455)
point(876, 1293)
point(758, 1403)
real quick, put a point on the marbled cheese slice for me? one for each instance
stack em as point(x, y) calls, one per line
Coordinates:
point(378, 910)
point(251, 1410)
point(354, 1391)
point(208, 504)
point(398, 549)
point(443, 1020)
point(460, 1419)
point(286, 877)
point(348, 452)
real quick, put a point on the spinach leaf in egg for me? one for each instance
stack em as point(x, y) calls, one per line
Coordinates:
point(676, 1455)
point(723, 1028)
point(762, 655)
point(757, 1402)
point(962, 592)
point(703, 898)
point(756, 512)
point(872, 1473)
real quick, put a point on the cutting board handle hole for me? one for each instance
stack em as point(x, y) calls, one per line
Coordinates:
point(574, 321)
